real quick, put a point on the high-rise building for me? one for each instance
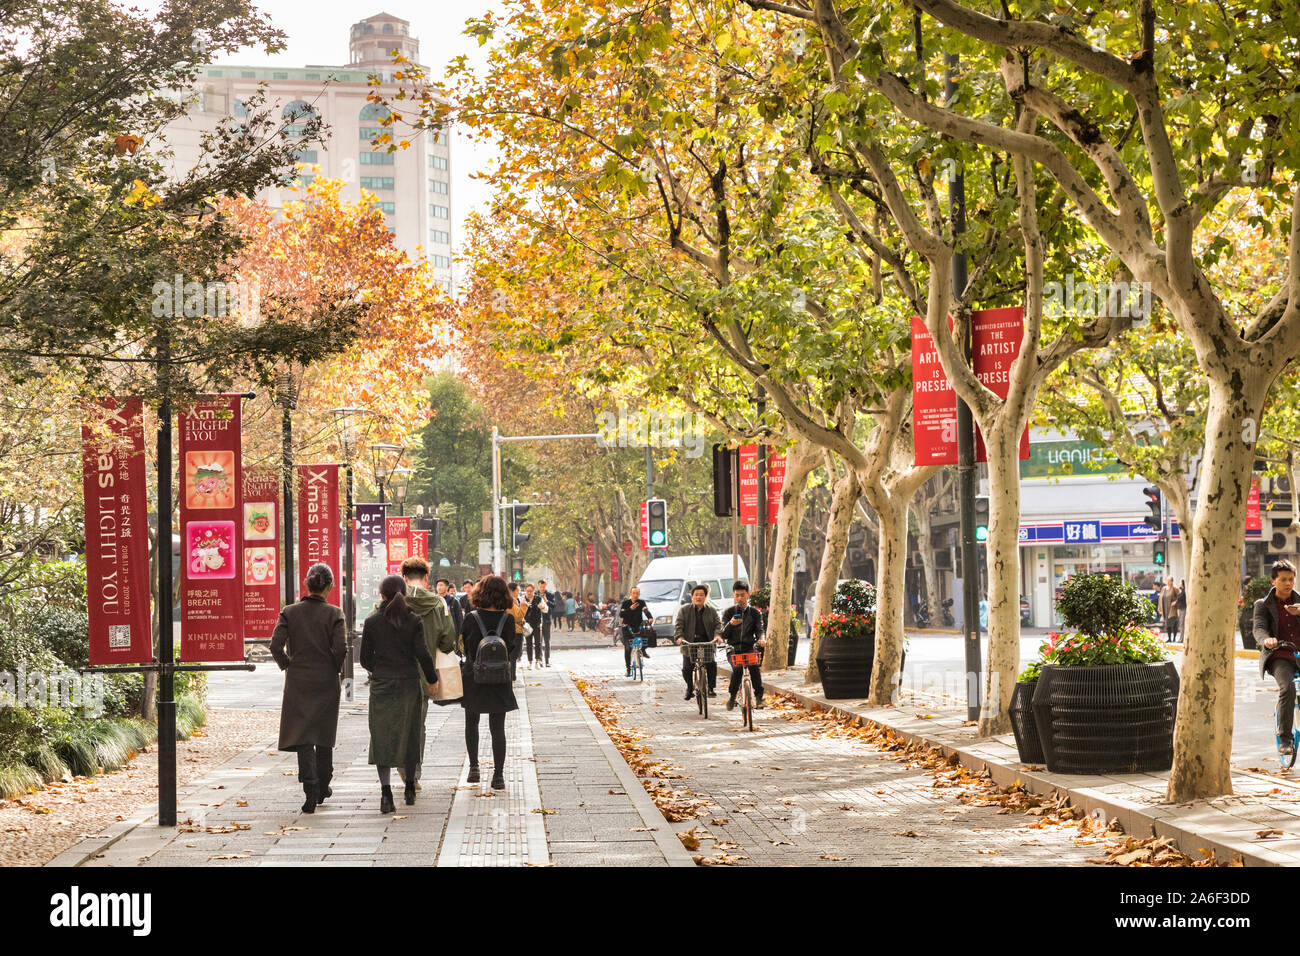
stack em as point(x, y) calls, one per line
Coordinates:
point(412, 186)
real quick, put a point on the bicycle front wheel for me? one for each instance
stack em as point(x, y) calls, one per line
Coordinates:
point(747, 707)
point(701, 691)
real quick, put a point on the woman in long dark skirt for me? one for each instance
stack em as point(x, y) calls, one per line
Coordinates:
point(492, 602)
point(394, 652)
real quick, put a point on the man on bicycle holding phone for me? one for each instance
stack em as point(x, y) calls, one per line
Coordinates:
point(1276, 620)
point(633, 614)
point(742, 628)
point(696, 623)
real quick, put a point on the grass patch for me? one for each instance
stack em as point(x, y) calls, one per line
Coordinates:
point(190, 715)
point(17, 781)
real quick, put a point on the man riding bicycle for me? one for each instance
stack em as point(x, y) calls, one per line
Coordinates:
point(633, 615)
point(696, 623)
point(742, 628)
point(1277, 620)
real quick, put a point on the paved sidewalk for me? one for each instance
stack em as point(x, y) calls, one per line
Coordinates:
point(1260, 823)
point(787, 794)
point(247, 812)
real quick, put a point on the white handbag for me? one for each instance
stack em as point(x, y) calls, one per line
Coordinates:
point(449, 688)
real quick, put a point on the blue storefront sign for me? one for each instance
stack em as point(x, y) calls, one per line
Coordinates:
point(1095, 531)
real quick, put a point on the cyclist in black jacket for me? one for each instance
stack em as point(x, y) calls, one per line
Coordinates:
point(742, 628)
point(633, 614)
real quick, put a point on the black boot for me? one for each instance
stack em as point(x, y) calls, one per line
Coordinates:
point(325, 791)
point(498, 781)
point(409, 795)
point(472, 777)
point(386, 804)
point(309, 805)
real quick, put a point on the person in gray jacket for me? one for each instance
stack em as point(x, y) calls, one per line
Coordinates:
point(1277, 619)
point(308, 645)
point(697, 622)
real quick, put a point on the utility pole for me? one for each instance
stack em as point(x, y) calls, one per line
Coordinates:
point(760, 569)
point(970, 590)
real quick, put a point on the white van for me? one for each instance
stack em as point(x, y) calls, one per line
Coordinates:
point(667, 582)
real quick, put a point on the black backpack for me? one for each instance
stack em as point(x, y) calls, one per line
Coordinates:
point(492, 657)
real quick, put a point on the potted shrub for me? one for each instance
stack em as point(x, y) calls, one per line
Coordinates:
point(1028, 744)
point(1107, 693)
point(848, 642)
point(1256, 588)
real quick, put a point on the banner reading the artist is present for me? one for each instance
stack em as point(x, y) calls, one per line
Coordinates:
point(995, 342)
point(212, 583)
point(117, 533)
point(261, 553)
point(748, 462)
point(775, 485)
point(318, 524)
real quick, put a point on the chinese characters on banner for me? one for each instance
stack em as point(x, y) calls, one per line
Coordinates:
point(645, 526)
point(934, 403)
point(615, 572)
point(372, 555)
point(749, 484)
point(212, 587)
point(590, 567)
point(318, 524)
point(261, 557)
point(420, 544)
point(117, 535)
point(398, 531)
point(775, 483)
point(1253, 522)
point(995, 341)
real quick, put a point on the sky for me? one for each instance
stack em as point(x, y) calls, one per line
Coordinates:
point(317, 32)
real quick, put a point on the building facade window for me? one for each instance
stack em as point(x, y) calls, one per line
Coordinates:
point(387, 208)
point(440, 235)
point(443, 262)
point(439, 212)
point(437, 162)
point(377, 159)
point(378, 182)
point(438, 186)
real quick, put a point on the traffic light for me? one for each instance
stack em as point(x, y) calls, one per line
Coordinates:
point(434, 527)
point(517, 569)
point(657, 522)
point(981, 518)
point(518, 514)
point(723, 482)
point(1159, 548)
point(1152, 520)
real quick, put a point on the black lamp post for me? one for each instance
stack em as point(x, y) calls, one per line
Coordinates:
point(384, 458)
point(348, 422)
point(288, 382)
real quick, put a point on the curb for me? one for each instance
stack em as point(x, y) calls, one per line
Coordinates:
point(1239, 652)
point(1137, 819)
point(662, 829)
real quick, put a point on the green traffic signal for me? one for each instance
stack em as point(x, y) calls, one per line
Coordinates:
point(981, 533)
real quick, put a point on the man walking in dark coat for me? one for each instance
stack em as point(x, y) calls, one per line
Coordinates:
point(308, 644)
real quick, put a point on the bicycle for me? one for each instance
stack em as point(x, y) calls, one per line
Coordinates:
point(745, 660)
point(1288, 760)
point(636, 641)
point(701, 654)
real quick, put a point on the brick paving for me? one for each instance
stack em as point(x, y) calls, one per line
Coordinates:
point(791, 798)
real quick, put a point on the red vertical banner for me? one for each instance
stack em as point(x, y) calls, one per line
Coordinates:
point(212, 583)
point(645, 526)
point(749, 484)
point(995, 342)
point(318, 524)
point(420, 544)
point(615, 572)
point(1253, 522)
point(261, 556)
point(398, 530)
point(117, 533)
point(934, 403)
point(591, 558)
point(775, 482)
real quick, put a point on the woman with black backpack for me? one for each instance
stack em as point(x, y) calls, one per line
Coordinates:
point(490, 645)
point(394, 652)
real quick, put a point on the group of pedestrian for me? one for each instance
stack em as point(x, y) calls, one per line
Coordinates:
point(483, 626)
point(1172, 608)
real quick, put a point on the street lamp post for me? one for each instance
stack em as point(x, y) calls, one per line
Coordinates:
point(384, 458)
point(288, 381)
point(399, 480)
point(345, 423)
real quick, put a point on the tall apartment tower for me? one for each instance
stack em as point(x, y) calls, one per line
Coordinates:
point(411, 186)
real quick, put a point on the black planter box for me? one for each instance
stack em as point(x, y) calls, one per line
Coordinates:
point(1028, 745)
point(1111, 718)
point(845, 667)
point(1246, 624)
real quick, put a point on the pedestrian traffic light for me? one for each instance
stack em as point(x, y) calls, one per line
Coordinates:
point(1159, 548)
point(517, 569)
point(518, 514)
point(981, 517)
point(1152, 520)
point(723, 481)
point(657, 522)
point(434, 527)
